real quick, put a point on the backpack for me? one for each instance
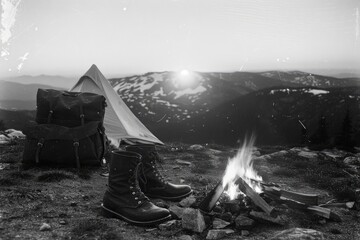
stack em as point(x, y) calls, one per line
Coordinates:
point(68, 131)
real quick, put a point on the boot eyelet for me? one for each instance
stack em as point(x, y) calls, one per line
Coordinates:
point(139, 202)
point(136, 198)
point(131, 187)
point(133, 193)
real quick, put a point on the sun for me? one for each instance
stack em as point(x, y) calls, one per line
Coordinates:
point(184, 72)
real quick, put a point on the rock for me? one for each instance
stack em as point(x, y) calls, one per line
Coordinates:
point(176, 167)
point(45, 227)
point(309, 155)
point(187, 202)
point(181, 162)
point(170, 225)
point(177, 211)
point(245, 233)
point(219, 223)
point(196, 147)
point(352, 161)
point(217, 209)
point(298, 234)
point(73, 204)
point(226, 216)
point(182, 180)
point(263, 217)
point(232, 206)
point(244, 223)
point(185, 237)
point(62, 222)
point(193, 220)
point(150, 229)
point(161, 203)
point(322, 221)
point(217, 234)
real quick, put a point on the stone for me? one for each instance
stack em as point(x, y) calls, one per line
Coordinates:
point(322, 221)
point(150, 229)
point(187, 202)
point(161, 203)
point(352, 161)
point(177, 211)
point(185, 237)
point(181, 162)
point(218, 209)
point(219, 223)
point(232, 206)
point(226, 217)
point(196, 147)
point(216, 234)
point(170, 225)
point(309, 155)
point(62, 222)
point(245, 233)
point(193, 220)
point(244, 223)
point(263, 217)
point(298, 234)
point(45, 227)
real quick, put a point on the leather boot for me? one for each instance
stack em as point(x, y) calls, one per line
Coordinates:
point(124, 199)
point(154, 184)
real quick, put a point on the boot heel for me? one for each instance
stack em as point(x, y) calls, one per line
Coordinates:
point(107, 213)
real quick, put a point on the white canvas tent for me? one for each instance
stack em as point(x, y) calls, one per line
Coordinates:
point(119, 122)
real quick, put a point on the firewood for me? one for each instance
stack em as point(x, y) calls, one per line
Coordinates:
point(338, 205)
point(325, 212)
point(209, 202)
point(257, 200)
point(308, 199)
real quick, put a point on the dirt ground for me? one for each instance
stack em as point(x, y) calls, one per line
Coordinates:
point(69, 201)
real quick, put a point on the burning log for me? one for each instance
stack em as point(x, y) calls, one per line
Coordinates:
point(209, 202)
point(258, 201)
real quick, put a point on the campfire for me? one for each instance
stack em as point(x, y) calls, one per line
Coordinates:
point(243, 193)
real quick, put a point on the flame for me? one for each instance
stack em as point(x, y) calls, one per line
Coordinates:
point(241, 166)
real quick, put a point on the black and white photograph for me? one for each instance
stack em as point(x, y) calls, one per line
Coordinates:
point(180, 119)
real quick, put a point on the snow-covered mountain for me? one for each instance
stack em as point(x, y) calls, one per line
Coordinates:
point(309, 79)
point(174, 97)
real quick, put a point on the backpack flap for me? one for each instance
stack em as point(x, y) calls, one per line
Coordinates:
point(50, 144)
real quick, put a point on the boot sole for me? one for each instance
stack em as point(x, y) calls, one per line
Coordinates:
point(111, 214)
point(177, 198)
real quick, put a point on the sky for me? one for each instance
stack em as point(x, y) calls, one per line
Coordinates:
point(125, 37)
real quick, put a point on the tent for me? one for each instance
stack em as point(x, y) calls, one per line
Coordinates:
point(119, 122)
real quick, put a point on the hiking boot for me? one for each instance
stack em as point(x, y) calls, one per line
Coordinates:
point(153, 183)
point(124, 199)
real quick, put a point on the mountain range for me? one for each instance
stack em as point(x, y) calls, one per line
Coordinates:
point(222, 107)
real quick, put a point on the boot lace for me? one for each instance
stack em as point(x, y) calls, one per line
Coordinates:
point(135, 190)
point(154, 159)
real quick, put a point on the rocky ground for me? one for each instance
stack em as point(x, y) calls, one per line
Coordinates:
point(65, 204)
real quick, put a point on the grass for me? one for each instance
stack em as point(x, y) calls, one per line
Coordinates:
point(323, 172)
point(54, 176)
point(94, 229)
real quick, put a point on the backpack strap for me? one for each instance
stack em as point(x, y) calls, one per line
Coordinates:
point(39, 146)
point(82, 116)
point(76, 148)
